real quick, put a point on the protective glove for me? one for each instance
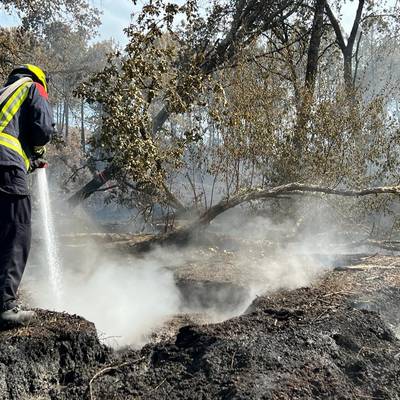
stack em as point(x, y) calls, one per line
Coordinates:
point(37, 163)
point(39, 151)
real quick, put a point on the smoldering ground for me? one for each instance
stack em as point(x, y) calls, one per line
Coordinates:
point(128, 298)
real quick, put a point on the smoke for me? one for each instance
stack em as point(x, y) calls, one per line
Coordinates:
point(127, 299)
point(130, 298)
point(126, 302)
point(285, 271)
point(282, 255)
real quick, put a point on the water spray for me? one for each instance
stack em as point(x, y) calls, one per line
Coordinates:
point(52, 257)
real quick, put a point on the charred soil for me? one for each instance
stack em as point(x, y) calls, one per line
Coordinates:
point(335, 339)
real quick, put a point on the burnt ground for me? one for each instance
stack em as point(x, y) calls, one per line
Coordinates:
point(38, 361)
point(335, 339)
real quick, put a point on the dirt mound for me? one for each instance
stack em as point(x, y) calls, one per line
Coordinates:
point(299, 344)
point(37, 361)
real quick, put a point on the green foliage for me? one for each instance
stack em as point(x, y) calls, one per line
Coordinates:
point(136, 85)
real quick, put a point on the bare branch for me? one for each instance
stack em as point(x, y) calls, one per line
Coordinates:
point(336, 27)
point(259, 194)
point(182, 235)
point(356, 24)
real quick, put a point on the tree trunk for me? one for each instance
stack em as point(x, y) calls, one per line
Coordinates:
point(62, 116)
point(83, 136)
point(315, 42)
point(307, 96)
point(348, 69)
point(347, 49)
point(58, 115)
point(95, 184)
point(160, 119)
point(66, 110)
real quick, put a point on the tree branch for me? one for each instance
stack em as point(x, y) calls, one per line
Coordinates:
point(182, 235)
point(336, 27)
point(291, 188)
point(356, 24)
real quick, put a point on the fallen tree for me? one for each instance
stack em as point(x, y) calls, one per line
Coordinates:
point(182, 235)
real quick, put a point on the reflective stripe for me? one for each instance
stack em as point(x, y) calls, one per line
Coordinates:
point(13, 143)
point(13, 105)
point(7, 113)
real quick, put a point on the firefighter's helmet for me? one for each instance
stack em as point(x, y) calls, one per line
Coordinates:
point(37, 74)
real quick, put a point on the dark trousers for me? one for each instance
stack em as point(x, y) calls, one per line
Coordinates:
point(15, 243)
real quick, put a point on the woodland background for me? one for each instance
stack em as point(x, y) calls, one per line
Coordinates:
point(209, 108)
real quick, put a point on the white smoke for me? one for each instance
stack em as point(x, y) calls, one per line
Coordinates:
point(126, 300)
point(129, 298)
point(285, 271)
point(282, 255)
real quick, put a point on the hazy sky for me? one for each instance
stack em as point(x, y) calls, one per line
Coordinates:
point(116, 16)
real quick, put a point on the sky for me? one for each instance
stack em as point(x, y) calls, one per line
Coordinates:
point(115, 18)
point(117, 14)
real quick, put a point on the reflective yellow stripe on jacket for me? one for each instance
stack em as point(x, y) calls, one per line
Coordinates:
point(7, 113)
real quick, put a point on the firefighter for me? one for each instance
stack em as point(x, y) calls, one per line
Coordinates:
point(26, 126)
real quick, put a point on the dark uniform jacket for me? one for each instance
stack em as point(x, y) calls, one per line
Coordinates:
point(33, 126)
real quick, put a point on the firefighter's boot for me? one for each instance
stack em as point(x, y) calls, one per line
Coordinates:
point(16, 317)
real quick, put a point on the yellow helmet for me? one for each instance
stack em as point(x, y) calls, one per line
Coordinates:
point(37, 73)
